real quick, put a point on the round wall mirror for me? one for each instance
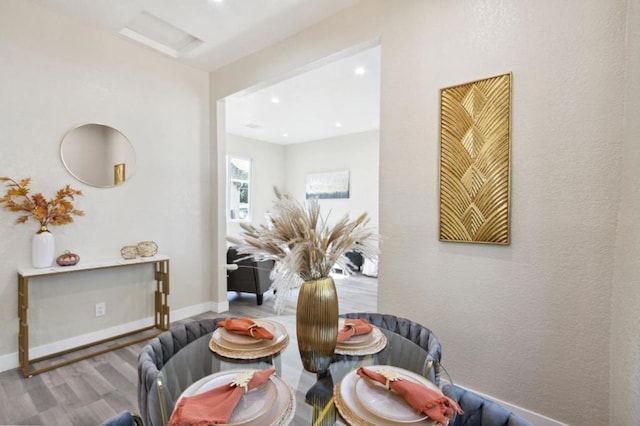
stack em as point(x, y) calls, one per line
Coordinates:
point(98, 155)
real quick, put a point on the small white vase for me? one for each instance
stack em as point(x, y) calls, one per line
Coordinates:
point(43, 249)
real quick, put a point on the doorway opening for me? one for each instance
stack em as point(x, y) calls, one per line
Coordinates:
point(324, 119)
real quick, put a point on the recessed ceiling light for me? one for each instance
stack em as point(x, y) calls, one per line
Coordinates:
point(359, 71)
point(275, 100)
point(218, 1)
point(285, 134)
point(338, 124)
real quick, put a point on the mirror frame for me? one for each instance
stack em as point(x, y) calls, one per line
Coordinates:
point(121, 171)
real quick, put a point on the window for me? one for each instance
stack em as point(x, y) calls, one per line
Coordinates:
point(238, 188)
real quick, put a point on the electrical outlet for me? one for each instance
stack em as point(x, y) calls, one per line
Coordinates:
point(101, 309)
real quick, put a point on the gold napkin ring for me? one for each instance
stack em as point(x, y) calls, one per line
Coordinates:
point(242, 380)
point(251, 328)
point(390, 376)
point(353, 329)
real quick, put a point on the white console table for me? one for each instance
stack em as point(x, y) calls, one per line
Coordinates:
point(160, 264)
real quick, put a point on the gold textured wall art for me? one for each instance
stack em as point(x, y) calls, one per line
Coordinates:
point(475, 161)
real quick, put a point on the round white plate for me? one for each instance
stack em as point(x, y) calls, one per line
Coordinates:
point(384, 403)
point(361, 409)
point(239, 339)
point(369, 340)
point(283, 409)
point(279, 334)
point(359, 339)
point(252, 405)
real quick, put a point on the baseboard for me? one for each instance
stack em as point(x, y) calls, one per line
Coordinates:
point(83, 339)
point(219, 307)
point(190, 311)
point(10, 361)
point(535, 418)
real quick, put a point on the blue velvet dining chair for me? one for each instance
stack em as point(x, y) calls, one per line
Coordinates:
point(124, 418)
point(160, 349)
point(479, 411)
point(408, 329)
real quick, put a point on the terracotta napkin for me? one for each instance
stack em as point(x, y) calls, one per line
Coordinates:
point(216, 405)
point(353, 327)
point(246, 327)
point(427, 401)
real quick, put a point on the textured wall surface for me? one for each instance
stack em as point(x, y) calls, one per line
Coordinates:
point(56, 74)
point(625, 308)
point(287, 166)
point(357, 153)
point(528, 323)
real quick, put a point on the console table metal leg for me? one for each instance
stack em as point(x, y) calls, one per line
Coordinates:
point(23, 326)
point(162, 295)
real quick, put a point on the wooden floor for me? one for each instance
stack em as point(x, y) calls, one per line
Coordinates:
point(91, 391)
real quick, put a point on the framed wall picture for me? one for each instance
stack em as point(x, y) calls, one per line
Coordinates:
point(328, 185)
point(475, 161)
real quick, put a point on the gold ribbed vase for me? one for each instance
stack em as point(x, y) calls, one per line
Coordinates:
point(317, 323)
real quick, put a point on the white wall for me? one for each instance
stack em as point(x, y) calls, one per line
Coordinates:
point(287, 166)
point(268, 168)
point(56, 74)
point(624, 386)
point(528, 323)
point(356, 153)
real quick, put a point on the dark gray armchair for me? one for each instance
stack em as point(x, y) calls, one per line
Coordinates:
point(250, 277)
point(479, 411)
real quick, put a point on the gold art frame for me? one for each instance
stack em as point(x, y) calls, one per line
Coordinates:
point(475, 161)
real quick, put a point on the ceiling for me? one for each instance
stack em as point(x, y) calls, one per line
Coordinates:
point(328, 101)
point(208, 34)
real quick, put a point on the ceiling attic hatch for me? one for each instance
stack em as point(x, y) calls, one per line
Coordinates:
point(160, 35)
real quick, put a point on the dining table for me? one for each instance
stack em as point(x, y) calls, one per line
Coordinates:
point(312, 394)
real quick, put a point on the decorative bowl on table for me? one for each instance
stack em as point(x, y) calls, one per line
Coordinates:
point(129, 252)
point(67, 259)
point(147, 248)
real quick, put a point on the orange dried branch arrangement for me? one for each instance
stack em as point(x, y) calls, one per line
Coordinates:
point(55, 211)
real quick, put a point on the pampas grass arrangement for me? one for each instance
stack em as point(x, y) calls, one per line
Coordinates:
point(304, 245)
